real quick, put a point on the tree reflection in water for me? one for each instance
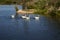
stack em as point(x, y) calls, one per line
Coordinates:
point(54, 27)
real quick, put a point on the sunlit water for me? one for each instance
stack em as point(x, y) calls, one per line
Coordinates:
point(22, 29)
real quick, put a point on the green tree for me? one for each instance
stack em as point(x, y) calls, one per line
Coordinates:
point(24, 3)
point(40, 6)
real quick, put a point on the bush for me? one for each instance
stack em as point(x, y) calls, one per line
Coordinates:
point(31, 7)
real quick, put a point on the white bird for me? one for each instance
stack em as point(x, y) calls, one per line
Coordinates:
point(12, 16)
point(27, 18)
point(37, 18)
point(23, 16)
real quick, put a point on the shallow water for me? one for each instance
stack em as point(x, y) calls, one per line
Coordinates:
point(22, 29)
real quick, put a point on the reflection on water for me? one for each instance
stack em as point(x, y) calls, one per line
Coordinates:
point(21, 29)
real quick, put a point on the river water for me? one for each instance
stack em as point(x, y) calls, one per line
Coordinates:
point(21, 29)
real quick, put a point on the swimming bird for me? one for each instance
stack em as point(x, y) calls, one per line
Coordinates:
point(27, 18)
point(37, 17)
point(12, 16)
point(24, 16)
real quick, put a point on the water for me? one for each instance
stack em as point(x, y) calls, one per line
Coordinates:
point(22, 29)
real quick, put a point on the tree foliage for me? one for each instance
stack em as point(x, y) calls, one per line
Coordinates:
point(40, 6)
point(47, 6)
point(25, 3)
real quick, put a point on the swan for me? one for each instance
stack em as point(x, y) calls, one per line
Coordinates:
point(23, 16)
point(27, 18)
point(37, 17)
point(12, 16)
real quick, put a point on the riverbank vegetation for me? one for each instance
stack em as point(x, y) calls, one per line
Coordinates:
point(50, 7)
point(45, 7)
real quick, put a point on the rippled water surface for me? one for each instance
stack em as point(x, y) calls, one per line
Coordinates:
point(22, 29)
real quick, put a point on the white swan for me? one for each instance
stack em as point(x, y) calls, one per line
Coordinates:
point(27, 18)
point(12, 16)
point(37, 17)
point(23, 16)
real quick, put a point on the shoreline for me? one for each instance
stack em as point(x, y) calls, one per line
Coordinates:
point(28, 11)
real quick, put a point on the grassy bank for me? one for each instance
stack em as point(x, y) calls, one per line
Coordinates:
point(44, 7)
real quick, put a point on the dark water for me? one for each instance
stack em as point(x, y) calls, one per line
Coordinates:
point(22, 29)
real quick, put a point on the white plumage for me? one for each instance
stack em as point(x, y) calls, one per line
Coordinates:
point(12, 16)
point(37, 18)
point(27, 18)
point(23, 16)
